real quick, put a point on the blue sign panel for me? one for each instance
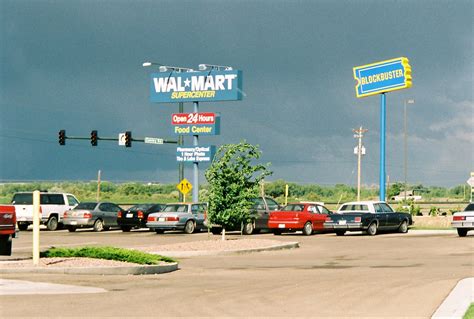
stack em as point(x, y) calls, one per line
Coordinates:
point(208, 86)
point(384, 76)
point(195, 154)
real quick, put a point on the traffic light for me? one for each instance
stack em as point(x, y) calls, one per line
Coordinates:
point(94, 138)
point(62, 137)
point(128, 139)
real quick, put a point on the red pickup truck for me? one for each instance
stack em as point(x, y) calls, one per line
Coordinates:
point(7, 229)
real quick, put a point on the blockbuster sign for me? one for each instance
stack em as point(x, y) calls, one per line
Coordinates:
point(381, 77)
point(208, 86)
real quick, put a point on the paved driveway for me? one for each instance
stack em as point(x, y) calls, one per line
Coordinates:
point(389, 275)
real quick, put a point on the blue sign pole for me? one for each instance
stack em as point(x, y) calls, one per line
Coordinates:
point(382, 146)
point(196, 164)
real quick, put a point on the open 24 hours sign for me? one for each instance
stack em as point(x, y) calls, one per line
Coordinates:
point(196, 123)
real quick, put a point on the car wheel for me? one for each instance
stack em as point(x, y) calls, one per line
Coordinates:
point(159, 231)
point(98, 225)
point(71, 229)
point(5, 245)
point(308, 229)
point(403, 227)
point(52, 223)
point(340, 232)
point(216, 230)
point(189, 227)
point(22, 226)
point(372, 230)
point(126, 228)
point(462, 232)
point(248, 228)
point(277, 232)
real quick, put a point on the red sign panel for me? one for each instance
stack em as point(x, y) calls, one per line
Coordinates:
point(193, 118)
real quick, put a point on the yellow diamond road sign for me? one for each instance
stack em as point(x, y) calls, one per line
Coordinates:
point(184, 186)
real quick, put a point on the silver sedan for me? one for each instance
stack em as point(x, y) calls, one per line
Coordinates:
point(97, 215)
point(188, 217)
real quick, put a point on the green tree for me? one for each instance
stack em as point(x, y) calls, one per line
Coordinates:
point(233, 181)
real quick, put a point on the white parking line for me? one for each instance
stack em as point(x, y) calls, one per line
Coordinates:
point(21, 287)
point(458, 301)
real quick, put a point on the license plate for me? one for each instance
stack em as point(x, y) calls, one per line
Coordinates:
point(129, 215)
point(73, 222)
point(342, 222)
point(161, 219)
point(281, 225)
point(470, 218)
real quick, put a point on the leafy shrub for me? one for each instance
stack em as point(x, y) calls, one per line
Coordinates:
point(110, 253)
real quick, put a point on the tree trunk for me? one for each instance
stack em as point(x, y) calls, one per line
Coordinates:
point(223, 233)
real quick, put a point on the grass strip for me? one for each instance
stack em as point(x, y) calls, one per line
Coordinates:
point(470, 312)
point(110, 253)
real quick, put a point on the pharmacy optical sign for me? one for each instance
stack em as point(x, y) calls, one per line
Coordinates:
point(381, 77)
point(209, 86)
point(196, 123)
point(195, 154)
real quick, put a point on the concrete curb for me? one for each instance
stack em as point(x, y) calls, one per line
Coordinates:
point(110, 270)
point(194, 253)
point(458, 301)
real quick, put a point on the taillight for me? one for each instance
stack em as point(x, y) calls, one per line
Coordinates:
point(172, 219)
point(357, 219)
point(65, 215)
point(151, 219)
point(119, 214)
point(140, 214)
point(459, 217)
point(87, 215)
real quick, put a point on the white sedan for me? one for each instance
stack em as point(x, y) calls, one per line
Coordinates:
point(464, 221)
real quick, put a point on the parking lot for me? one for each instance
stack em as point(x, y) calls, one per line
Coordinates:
point(388, 275)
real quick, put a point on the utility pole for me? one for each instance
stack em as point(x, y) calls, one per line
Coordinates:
point(410, 101)
point(359, 150)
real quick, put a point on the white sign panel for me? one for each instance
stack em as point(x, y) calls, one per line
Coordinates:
point(153, 140)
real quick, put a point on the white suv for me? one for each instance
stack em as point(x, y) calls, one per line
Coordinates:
point(53, 206)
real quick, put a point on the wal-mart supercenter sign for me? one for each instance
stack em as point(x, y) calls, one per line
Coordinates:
point(208, 86)
point(384, 76)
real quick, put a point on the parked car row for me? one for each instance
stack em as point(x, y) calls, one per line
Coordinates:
point(62, 209)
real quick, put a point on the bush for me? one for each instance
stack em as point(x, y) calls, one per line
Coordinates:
point(110, 253)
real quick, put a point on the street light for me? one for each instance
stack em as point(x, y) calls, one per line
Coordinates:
point(204, 67)
point(165, 68)
point(410, 101)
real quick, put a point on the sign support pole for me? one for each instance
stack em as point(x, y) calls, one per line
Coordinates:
point(181, 164)
point(382, 146)
point(196, 164)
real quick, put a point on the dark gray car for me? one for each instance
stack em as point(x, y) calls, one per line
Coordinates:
point(98, 215)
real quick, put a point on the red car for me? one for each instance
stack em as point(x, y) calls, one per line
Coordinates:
point(7, 229)
point(308, 217)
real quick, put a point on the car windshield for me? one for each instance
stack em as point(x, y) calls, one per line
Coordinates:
point(141, 207)
point(88, 206)
point(175, 208)
point(469, 207)
point(23, 199)
point(293, 207)
point(354, 207)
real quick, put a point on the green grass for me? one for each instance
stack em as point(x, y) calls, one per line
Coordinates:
point(110, 253)
point(470, 312)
